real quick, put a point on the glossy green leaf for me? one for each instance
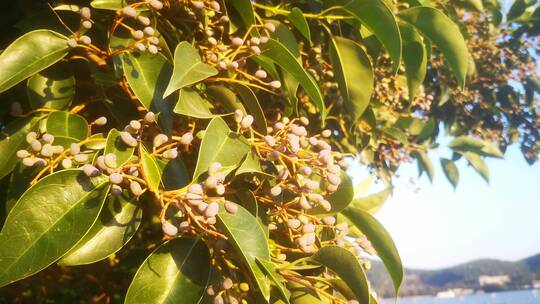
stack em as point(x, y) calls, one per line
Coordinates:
point(47, 221)
point(372, 203)
point(270, 270)
point(451, 171)
point(252, 165)
point(347, 267)
point(30, 54)
point(176, 272)
point(174, 174)
point(442, 31)
point(354, 74)
point(245, 10)
point(424, 164)
point(379, 19)
point(151, 171)
point(339, 199)
point(219, 144)
point(19, 181)
point(188, 68)
point(478, 146)
point(300, 23)
point(474, 4)
point(12, 139)
point(381, 241)
point(226, 97)
point(53, 88)
point(116, 145)
point(516, 10)
point(253, 107)
point(249, 240)
point(301, 294)
point(281, 56)
point(147, 75)
point(414, 58)
point(192, 104)
point(67, 125)
point(396, 134)
point(478, 164)
point(117, 223)
point(113, 5)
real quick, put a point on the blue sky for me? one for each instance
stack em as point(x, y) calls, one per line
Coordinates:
point(439, 227)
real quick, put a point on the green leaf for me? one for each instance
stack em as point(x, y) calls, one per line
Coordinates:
point(440, 29)
point(478, 164)
point(19, 181)
point(372, 203)
point(281, 56)
point(414, 58)
point(174, 174)
point(478, 146)
point(192, 104)
point(451, 171)
point(381, 241)
point(301, 294)
point(396, 134)
point(354, 75)
point(474, 4)
point(116, 145)
point(249, 241)
point(347, 267)
point(30, 54)
point(65, 124)
point(379, 19)
point(12, 139)
point(339, 199)
point(219, 144)
point(147, 75)
point(53, 88)
point(245, 10)
point(516, 10)
point(150, 170)
point(253, 107)
point(113, 5)
point(226, 97)
point(47, 221)
point(176, 272)
point(188, 68)
point(117, 223)
point(270, 270)
point(424, 164)
point(300, 23)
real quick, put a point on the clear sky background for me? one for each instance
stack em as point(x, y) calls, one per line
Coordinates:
point(437, 227)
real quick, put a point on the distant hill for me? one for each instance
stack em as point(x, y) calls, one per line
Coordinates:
point(428, 282)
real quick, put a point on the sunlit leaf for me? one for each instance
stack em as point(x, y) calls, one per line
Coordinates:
point(68, 125)
point(300, 23)
point(190, 103)
point(71, 202)
point(478, 164)
point(116, 146)
point(53, 88)
point(176, 272)
point(372, 203)
point(151, 171)
point(30, 54)
point(450, 171)
point(414, 58)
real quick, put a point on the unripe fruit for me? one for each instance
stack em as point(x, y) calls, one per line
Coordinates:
point(196, 189)
point(194, 198)
point(169, 229)
point(48, 138)
point(152, 49)
point(220, 189)
point(135, 188)
point(255, 41)
point(67, 163)
point(128, 139)
point(170, 154)
point(244, 287)
point(86, 24)
point(116, 178)
point(275, 191)
point(293, 223)
point(279, 126)
point(255, 50)
point(304, 120)
point(74, 149)
point(202, 206)
point(306, 170)
point(326, 133)
point(198, 4)
point(101, 121)
point(215, 5)
point(276, 84)
point(140, 47)
point(156, 4)
point(143, 20)
point(129, 11)
point(85, 39)
point(30, 137)
point(238, 115)
point(135, 125)
point(46, 150)
point(57, 149)
point(329, 220)
point(264, 39)
point(304, 203)
point(214, 168)
point(150, 117)
point(237, 41)
point(149, 31)
point(153, 40)
point(270, 140)
point(29, 161)
point(80, 158)
point(261, 74)
point(22, 154)
point(308, 228)
point(90, 170)
point(270, 26)
point(186, 139)
point(227, 283)
point(246, 121)
point(116, 190)
point(231, 207)
point(211, 210)
point(85, 13)
point(137, 35)
point(159, 140)
point(211, 182)
point(72, 43)
point(110, 160)
point(212, 40)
